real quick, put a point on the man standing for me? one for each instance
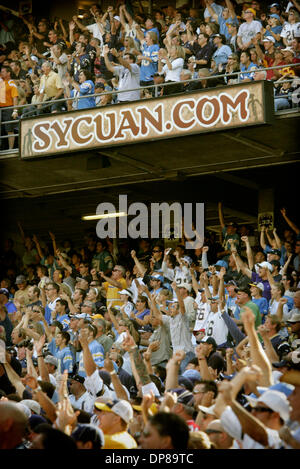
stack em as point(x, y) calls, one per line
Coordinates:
point(96, 350)
point(248, 30)
point(21, 295)
point(51, 290)
point(128, 73)
point(8, 97)
point(50, 86)
point(114, 284)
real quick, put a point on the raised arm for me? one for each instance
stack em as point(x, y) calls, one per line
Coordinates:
point(230, 8)
point(202, 363)
point(119, 390)
point(142, 270)
point(249, 252)
point(172, 369)
point(257, 353)
point(221, 216)
point(277, 239)
point(250, 425)
point(212, 12)
point(38, 247)
point(289, 222)
point(263, 243)
point(244, 269)
point(179, 297)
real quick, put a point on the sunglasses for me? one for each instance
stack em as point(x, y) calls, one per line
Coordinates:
point(262, 409)
point(209, 431)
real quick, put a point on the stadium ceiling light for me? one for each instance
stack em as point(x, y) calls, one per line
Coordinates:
point(104, 215)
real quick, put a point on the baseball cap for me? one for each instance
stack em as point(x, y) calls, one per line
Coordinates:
point(32, 405)
point(222, 264)
point(210, 340)
point(157, 277)
point(251, 10)
point(259, 285)
point(285, 388)
point(50, 359)
point(213, 298)
point(121, 408)
point(266, 265)
point(288, 49)
point(186, 383)
point(20, 279)
point(187, 259)
point(192, 375)
point(184, 396)
point(244, 290)
point(269, 38)
point(274, 5)
point(4, 291)
point(294, 318)
point(275, 251)
point(274, 15)
point(117, 18)
point(78, 378)
point(275, 400)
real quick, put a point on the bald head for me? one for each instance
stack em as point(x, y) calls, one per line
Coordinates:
point(13, 424)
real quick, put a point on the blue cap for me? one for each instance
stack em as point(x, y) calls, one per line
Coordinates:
point(275, 16)
point(222, 264)
point(285, 388)
point(193, 375)
point(157, 277)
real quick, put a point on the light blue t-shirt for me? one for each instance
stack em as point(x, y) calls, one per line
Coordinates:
point(220, 56)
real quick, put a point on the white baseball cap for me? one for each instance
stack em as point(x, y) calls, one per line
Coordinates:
point(266, 265)
point(275, 400)
point(121, 408)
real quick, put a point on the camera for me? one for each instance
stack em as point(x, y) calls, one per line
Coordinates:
point(26, 343)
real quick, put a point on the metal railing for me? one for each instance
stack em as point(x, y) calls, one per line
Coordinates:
point(236, 74)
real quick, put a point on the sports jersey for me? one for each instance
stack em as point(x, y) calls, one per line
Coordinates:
point(215, 327)
point(149, 68)
point(65, 360)
point(290, 31)
point(202, 313)
point(97, 352)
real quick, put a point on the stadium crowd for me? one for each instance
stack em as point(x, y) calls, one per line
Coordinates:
point(121, 47)
point(119, 344)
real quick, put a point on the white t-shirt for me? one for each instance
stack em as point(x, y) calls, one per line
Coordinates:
point(247, 31)
point(128, 79)
point(95, 31)
point(174, 73)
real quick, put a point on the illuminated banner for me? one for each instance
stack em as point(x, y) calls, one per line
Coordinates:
point(152, 119)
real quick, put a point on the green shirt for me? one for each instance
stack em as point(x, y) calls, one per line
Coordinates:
point(255, 309)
